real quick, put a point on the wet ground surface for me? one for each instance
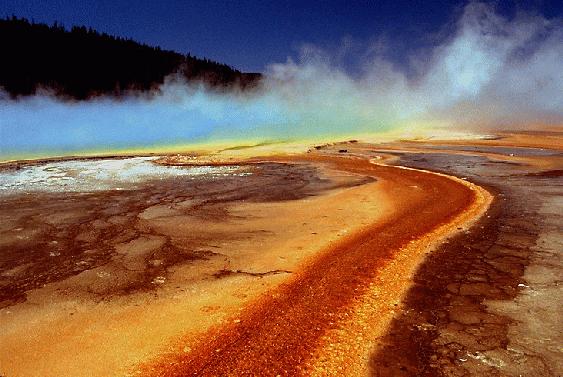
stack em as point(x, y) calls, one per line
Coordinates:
point(486, 303)
point(283, 332)
point(91, 175)
point(61, 227)
point(489, 301)
point(507, 151)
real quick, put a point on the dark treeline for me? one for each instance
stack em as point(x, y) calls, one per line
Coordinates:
point(81, 63)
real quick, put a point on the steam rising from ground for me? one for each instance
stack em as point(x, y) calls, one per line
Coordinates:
point(491, 72)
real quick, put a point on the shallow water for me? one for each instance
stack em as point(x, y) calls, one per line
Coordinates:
point(101, 174)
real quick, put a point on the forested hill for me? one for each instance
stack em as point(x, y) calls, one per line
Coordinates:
point(81, 63)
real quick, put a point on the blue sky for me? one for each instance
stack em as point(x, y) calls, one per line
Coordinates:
point(250, 34)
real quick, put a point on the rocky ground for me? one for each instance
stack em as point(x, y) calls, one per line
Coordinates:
point(49, 235)
point(104, 263)
point(489, 301)
point(314, 266)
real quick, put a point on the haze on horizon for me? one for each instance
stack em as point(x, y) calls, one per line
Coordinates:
point(489, 68)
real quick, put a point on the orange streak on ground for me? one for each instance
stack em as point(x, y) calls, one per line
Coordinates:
point(279, 333)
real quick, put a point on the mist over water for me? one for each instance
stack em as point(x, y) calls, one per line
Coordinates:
point(490, 72)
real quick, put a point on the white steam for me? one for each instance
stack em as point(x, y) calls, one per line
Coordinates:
point(491, 72)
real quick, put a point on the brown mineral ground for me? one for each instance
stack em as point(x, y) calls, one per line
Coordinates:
point(488, 302)
point(324, 263)
point(305, 325)
point(94, 283)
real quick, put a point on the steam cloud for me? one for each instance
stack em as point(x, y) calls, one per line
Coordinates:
point(491, 72)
